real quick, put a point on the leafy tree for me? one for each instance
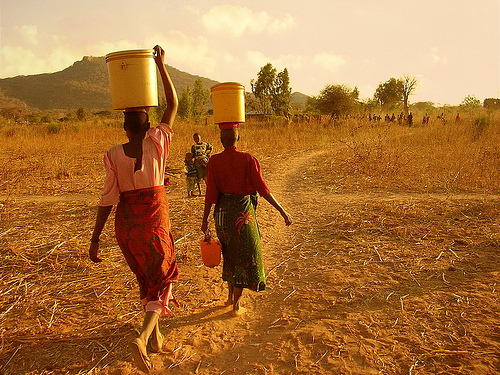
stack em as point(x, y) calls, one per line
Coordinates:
point(280, 100)
point(18, 114)
point(470, 103)
point(83, 114)
point(491, 103)
point(389, 93)
point(185, 108)
point(409, 86)
point(312, 105)
point(272, 90)
point(106, 114)
point(423, 106)
point(336, 100)
point(369, 105)
point(262, 88)
point(46, 119)
point(201, 96)
point(34, 118)
point(251, 103)
point(160, 109)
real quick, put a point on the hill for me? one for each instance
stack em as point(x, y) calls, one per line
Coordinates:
point(83, 84)
point(298, 100)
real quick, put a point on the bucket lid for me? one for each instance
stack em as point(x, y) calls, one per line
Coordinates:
point(130, 54)
point(227, 86)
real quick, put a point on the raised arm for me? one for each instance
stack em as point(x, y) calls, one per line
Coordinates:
point(170, 93)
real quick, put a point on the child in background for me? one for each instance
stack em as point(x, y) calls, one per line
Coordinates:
point(191, 175)
point(201, 152)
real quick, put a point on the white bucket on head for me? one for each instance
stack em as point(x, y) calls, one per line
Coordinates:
point(228, 100)
point(132, 78)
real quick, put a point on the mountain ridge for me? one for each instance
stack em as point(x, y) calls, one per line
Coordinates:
point(85, 83)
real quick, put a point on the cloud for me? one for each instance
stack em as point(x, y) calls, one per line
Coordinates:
point(436, 56)
point(18, 60)
point(193, 54)
point(192, 9)
point(29, 33)
point(279, 25)
point(236, 20)
point(258, 59)
point(103, 48)
point(329, 61)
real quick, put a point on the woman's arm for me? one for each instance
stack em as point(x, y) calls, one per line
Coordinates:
point(206, 213)
point(168, 86)
point(102, 216)
point(270, 198)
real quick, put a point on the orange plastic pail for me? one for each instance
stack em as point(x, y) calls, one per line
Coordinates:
point(210, 252)
point(132, 78)
point(228, 100)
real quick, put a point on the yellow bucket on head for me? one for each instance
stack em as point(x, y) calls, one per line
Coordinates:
point(228, 100)
point(132, 78)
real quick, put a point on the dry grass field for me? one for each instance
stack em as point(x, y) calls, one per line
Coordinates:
point(391, 265)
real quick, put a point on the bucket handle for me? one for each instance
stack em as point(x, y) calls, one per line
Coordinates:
point(208, 235)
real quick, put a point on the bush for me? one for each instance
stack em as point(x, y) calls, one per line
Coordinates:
point(77, 127)
point(46, 119)
point(479, 126)
point(53, 128)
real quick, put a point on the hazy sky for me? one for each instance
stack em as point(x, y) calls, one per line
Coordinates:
point(451, 46)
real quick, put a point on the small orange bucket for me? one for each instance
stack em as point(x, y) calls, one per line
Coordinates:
point(211, 251)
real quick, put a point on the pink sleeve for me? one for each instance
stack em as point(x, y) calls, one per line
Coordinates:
point(256, 177)
point(161, 137)
point(110, 193)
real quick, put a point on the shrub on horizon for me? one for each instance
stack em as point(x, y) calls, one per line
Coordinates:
point(53, 128)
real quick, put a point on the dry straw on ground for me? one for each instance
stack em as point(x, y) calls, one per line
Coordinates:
point(391, 265)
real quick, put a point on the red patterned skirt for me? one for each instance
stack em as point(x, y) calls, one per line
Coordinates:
point(142, 227)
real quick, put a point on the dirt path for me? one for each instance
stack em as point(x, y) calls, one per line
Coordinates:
point(361, 283)
point(354, 290)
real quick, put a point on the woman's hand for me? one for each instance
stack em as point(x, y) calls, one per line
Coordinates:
point(159, 55)
point(287, 218)
point(94, 248)
point(204, 226)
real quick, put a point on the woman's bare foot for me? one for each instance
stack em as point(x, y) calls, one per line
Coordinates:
point(155, 342)
point(140, 356)
point(239, 311)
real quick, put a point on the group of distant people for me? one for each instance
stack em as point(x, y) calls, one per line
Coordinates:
point(401, 118)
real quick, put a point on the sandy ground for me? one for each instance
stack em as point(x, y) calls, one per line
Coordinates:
point(361, 283)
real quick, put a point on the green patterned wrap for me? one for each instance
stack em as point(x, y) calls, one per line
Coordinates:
point(238, 231)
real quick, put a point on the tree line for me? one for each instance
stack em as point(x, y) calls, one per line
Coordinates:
point(271, 95)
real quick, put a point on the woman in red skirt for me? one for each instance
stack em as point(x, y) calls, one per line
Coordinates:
point(134, 182)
